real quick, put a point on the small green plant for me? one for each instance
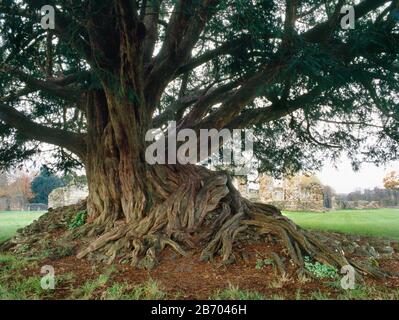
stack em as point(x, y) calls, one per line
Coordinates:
point(9, 262)
point(116, 292)
point(13, 284)
point(88, 289)
point(280, 281)
point(24, 248)
point(320, 270)
point(79, 220)
point(22, 289)
point(86, 292)
point(65, 278)
point(298, 294)
point(235, 293)
point(260, 263)
point(6, 259)
point(146, 291)
point(318, 295)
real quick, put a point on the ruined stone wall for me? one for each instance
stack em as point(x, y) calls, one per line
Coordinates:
point(15, 203)
point(267, 189)
point(66, 196)
point(4, 204)
point(299, 193)
point(356, 205)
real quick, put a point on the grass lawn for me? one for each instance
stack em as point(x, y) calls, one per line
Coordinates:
point(20, 277)
point(377, 222)
point(11, 221)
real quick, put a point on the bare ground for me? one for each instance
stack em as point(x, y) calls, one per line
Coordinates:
point(189, 277)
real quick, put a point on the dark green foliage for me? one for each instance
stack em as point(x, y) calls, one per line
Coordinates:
point(260, 263)
point(74, 179)
point(43, 184)
point(354, 74)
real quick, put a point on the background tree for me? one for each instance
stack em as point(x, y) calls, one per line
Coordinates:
point(43, 184)
point(73, 179)
point(4, 201)
point(16, 192)
point(386, 198)
point(328, 196)
point(3, 183)
point(391, 180)
point(111, 70)
point(19, 191)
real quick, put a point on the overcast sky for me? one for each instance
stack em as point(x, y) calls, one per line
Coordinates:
point(343, 179)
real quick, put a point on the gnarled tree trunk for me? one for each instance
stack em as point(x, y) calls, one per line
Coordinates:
point(136, 209)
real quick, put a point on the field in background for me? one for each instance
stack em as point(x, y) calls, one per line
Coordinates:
point(376, 223)
point(20, 277)
point(11, 221)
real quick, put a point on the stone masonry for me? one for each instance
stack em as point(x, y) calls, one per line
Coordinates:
point(66, 196)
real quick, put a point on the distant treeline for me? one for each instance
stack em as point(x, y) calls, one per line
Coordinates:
point(386, 198)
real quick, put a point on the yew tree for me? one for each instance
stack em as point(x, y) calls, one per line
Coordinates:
point(310, 86)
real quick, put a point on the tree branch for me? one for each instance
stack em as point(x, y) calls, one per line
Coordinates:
point(225, 48)
point(186, 24)
point(14, 95)
point(62, 24)
point(56, 88)
point(65, 139)
point(274, 112)
point(311, 138)
point(208, 99)
point(231, 108)
point(150, 20)
point(290, 18)
point(322, 30)
point(248, 91)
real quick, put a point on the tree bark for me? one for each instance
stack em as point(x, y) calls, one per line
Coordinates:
point(136, 209)
point(114, 162)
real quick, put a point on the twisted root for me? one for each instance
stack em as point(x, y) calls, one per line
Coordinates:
point(210, 217)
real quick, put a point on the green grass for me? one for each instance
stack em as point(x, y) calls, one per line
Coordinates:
point(11, 221)
point(235, 293)
point(15, 285)
point(149, 290)
point(376, 223)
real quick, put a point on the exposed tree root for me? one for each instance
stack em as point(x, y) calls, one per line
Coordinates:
point(202, 213)
point(209, 214)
